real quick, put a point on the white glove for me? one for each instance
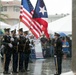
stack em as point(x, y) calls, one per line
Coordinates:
point(12, 39)
point(30, 44)
point(10, 45)
point(17, 43)
point(27, 36)
point(55, 56)
point(17, 36)
point(2, 46)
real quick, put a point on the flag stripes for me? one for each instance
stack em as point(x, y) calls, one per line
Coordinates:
point(27, 19)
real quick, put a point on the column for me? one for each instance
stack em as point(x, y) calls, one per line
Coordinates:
point(74, 35)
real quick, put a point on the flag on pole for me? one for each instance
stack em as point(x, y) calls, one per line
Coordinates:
point(41, 16)
point(26, 13)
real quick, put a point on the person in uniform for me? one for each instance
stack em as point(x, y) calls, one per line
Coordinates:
point(58, 53)
point(14, 41)
point(7, 50)
point(21, 41)
point(27, 50)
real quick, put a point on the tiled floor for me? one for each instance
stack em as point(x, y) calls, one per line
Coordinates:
point(41, 67)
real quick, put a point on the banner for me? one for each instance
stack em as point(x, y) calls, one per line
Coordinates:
point(38, 49)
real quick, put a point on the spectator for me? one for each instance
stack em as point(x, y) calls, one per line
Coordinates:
point(65, 47)
point(52, 47)
point(43, 43)
point(70, 45)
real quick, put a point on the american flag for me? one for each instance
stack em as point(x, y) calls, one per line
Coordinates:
point(26, 13)
point(41, 16)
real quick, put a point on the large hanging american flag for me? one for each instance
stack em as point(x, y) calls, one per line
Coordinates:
point(41, 16)
point(26, 13)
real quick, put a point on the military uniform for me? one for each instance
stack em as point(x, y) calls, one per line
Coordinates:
point(27, 50)
point(58, 53)
point(7, 51)
point(21, 41)
point(14, 41)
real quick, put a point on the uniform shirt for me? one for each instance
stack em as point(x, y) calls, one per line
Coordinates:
point(21, 42)
point(15, 43)
point(58, 47)
point(27, 45)
point(5, 42)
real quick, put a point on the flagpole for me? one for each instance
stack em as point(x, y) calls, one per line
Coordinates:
point(19, 24)
point(18, 35)
point(19, 18)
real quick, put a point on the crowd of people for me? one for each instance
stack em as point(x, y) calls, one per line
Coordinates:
point(59, 47)
point(48, 45)
point(20, 46)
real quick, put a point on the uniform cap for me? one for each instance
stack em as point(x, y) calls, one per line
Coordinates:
point(6, 29)
point(26, 32)
point(56, 34)
point(21, 29)
point(13, 31)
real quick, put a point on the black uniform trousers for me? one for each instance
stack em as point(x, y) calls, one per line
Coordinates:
point(59, 63)
point(21, 60)
point(26, 61)
point(7, 61)
point(15, 61)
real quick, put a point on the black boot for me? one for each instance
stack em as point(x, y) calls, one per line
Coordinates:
point(56, 74)
point(14, 71)
point(6, 72)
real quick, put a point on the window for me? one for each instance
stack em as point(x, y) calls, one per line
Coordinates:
point(1, 8)
point(16, 8)
point(4, 8)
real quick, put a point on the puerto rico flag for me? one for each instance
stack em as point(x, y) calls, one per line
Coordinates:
point(26, 13)
point(41, 16)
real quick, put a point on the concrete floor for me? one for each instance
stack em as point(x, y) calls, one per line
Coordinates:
point(41, 67)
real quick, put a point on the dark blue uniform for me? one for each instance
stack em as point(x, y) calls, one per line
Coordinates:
point(7, 52)
point(15, 53)
point(27, 52)
point(21, 52)
point(58, 53)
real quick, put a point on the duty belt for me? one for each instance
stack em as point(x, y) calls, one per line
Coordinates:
point(21, 44)
point(15, 46)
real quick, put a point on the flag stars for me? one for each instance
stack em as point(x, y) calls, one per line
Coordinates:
point(42, 10)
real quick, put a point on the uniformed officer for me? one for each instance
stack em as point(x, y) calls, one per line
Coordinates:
point(14, 41)
point(7, 50)
point(58, 53)
point(27, 50)
point(21, 49)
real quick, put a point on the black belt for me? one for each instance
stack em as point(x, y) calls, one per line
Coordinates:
point(21, 44)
